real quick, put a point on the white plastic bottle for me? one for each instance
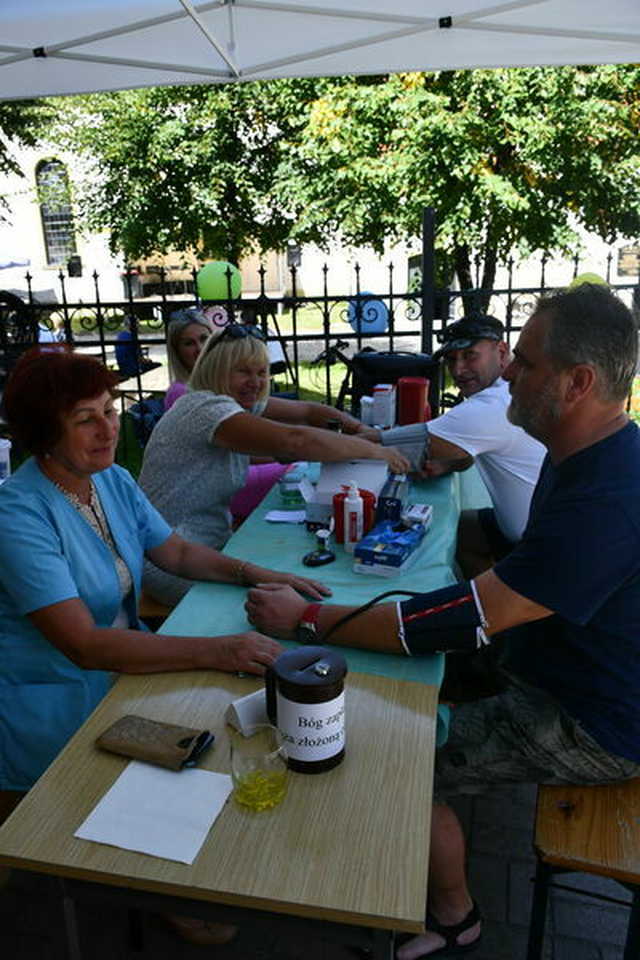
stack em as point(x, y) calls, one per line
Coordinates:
point(384, 398)
point(353, 517)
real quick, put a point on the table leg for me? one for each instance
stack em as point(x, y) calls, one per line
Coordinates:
point(136, 936)
point(70, 924)
point(382, 947)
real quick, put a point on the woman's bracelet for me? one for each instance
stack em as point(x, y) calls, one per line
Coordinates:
point(239, 572)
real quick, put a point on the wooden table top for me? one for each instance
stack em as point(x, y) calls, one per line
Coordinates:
point(350, 845)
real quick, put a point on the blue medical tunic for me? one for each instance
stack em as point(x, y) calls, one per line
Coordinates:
point(49, 553)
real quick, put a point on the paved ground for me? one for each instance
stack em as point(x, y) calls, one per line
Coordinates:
point(501, 866)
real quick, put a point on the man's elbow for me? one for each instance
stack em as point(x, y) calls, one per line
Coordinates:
point(464, 463)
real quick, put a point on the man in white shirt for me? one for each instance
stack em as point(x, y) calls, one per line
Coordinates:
point(508, 459)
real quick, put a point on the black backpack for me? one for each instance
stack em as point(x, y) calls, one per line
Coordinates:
point(371, 366)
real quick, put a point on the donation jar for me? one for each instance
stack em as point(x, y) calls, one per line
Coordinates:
point(305, 700)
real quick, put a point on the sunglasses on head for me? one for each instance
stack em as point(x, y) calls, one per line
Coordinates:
point(237, 331)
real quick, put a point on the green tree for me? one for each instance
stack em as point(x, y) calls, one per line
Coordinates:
point(22, 124)
point(509, 159)
point(188, 168)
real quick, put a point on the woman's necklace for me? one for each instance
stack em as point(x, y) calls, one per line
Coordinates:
point(94, 516)
point(93, 513)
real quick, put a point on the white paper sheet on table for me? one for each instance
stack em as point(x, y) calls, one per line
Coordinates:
point(157, 811)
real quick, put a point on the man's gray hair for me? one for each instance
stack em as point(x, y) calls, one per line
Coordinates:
point(589, 324)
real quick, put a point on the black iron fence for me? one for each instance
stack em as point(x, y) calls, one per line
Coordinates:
point(318, 332)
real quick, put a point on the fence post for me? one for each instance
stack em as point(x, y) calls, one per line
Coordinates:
point(428, 278)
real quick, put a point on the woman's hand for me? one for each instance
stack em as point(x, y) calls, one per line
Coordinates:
point(276, 609)
point(303, 585)
point(397, 462)
point(248, 652)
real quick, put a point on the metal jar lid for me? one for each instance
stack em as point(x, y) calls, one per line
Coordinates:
point(310, 667)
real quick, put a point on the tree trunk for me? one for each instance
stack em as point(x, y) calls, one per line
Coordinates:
point(475, 300)
point(462, 261)
point(488, 274)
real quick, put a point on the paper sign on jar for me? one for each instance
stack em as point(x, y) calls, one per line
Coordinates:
point(312, 731)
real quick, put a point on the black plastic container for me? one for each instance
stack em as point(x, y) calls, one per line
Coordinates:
point(305, 700)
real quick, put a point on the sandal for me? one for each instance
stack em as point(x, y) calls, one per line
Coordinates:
point(449, 934)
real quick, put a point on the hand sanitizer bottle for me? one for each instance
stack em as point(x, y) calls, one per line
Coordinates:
point(353, 518)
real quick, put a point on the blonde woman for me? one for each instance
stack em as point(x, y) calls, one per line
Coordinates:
point(187, 333)
point(198, 454)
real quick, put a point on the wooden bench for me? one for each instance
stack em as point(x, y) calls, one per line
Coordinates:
point(153, 613)
point(587, 829)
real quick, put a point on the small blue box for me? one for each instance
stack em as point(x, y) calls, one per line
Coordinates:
point(388, 547)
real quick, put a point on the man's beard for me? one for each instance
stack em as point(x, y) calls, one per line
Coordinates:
point(536, 418)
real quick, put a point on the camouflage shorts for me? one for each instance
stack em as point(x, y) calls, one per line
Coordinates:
point(522, 735)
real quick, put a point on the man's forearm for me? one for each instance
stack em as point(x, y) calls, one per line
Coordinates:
point(375, 629)
point(459, 617)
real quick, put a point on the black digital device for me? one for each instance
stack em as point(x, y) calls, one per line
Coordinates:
point(318, 558)
point(322, 554)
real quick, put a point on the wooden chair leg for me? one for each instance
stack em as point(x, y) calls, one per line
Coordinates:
point(537, 920)
point(632, 945)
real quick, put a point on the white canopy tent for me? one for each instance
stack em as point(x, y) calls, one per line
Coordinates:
point(72, 46)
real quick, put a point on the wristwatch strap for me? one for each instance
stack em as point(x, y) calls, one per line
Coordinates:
point(307, 629)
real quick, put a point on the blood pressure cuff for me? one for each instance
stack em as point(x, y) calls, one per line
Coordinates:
point(412, 440)
point(443, 621)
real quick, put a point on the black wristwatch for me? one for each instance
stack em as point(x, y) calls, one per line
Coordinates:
point(307, 629)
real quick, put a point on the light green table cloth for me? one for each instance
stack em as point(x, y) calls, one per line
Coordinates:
point(214, 608)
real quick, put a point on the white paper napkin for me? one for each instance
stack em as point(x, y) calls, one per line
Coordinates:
point(286, 516)
point(157, 811)
point(245, 713)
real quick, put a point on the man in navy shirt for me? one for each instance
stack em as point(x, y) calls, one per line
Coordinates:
point(567, 598)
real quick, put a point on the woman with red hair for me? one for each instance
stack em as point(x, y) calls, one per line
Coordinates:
point(74, 531)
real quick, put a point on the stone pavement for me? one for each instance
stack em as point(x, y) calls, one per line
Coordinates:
point(501, 865)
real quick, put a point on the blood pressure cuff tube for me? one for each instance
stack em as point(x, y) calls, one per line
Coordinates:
point(411, 440)
point(443, 621)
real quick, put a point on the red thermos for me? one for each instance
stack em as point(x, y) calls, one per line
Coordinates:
point(413, 406)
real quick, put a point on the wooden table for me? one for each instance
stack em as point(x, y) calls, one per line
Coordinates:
point(347, 849)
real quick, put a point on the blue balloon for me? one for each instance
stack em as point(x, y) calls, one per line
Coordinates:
point(367, 314)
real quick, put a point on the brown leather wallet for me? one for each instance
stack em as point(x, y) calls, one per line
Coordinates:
point(152, 741)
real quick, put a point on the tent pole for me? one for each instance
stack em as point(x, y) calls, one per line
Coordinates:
point(428, 278)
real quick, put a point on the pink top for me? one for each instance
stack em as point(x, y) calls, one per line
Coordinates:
point(175, 390)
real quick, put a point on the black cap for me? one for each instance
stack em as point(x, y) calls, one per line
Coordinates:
point(462, 334)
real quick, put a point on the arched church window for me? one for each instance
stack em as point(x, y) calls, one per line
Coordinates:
point(55, 209)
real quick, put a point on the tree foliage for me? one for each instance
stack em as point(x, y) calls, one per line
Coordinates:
point(509, 159)
point(22, 123)
point(184, 167)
